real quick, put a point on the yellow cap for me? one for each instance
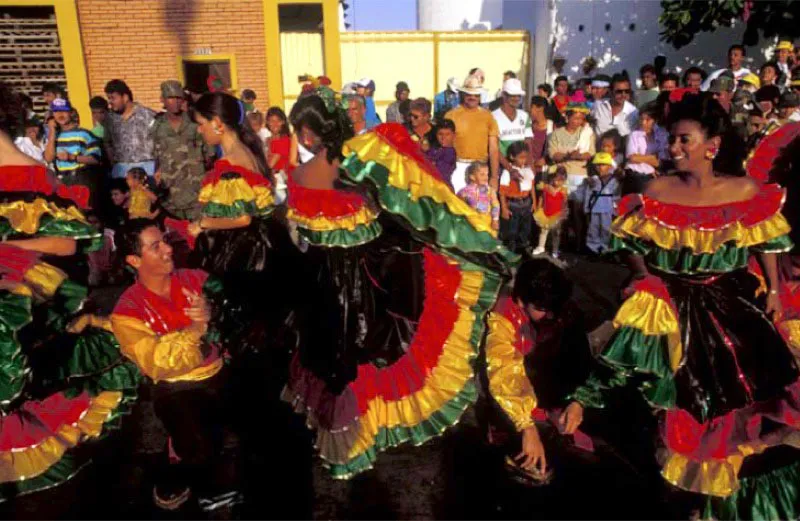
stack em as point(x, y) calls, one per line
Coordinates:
point(784, 44)
point(752, 79)
point(603, 158)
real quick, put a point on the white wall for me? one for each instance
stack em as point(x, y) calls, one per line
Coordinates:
point(619, 47)
point(455, 15)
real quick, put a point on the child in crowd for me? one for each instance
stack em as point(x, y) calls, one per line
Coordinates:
point(478, 194)
point(120, 198)
point(443, 157)
point(282, 150)
point(602, 194)
point(516, 199)
point(140, 198)
point(32, 143)
point(551, 211)
point(610, 142)
point(256, 121)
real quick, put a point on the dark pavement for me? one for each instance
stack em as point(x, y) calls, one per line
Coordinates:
point(457, 476)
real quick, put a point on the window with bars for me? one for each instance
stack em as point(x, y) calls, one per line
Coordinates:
point(30, 51)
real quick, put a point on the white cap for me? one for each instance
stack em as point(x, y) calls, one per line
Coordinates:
point(349, 88)
point(513, 87)
point(452, 83)
point(364, 82)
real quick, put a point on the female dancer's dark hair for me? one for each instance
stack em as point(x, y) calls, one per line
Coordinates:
point(332, 127)
point(543, 284)
point(231, 112)
point(279, 113)
point(714, 121)
point(12, 113)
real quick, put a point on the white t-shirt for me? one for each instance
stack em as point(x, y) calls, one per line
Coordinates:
point(525, 184)
point(510, 131)
point(26, 146)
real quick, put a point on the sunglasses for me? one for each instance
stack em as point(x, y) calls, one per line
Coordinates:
point(415, 116)
point(623, 91)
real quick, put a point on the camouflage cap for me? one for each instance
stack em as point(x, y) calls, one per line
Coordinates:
point(722, 84)
point(171, 89)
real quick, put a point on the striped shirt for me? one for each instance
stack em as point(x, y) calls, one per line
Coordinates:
point(79, 142)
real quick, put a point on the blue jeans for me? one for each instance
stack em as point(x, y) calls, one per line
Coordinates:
point(516, 231)
point(599, 233)
point(120, 169)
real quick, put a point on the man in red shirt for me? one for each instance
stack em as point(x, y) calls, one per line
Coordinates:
point(162, 324)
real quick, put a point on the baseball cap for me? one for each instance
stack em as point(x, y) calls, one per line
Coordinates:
point(171, 89)
point(401, 86)
point(752, 79)
point(364, 82)
point(603, 158)
point(784, 45)
point(60, 105)
point(513, 87)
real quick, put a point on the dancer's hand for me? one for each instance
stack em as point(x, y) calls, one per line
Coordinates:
point(774, 307)
point(198, 311)
point(194, 229)
point(532, 454)
point(571, 418)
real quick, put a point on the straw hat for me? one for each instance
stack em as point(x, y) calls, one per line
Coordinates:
point(472, 85)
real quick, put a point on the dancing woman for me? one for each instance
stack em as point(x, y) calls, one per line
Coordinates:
point(692, 338)
point(239, 238)
point(63, 380)
point(398, 278)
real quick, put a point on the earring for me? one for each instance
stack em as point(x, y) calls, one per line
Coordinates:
point(711, 153)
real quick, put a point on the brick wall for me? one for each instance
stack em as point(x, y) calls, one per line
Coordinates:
point(139, 41)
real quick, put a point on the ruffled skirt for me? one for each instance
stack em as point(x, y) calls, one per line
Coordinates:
point(63, 379)
point(704, 353)
point(392, 362)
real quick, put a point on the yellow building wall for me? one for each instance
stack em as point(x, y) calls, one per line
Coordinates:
point(425, 60)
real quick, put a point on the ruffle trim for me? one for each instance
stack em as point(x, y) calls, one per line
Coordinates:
point(15, 313)
point(773, 495)
point(343, 238)
point(233, 191)
point(548, 221)
point(410, 187)
point(417, 397)
point(26, 216)
point(310, 203)
point(36, 179)
point(35, 437)
point(700, 241)
point(706, 457)
point(234, 198)
point(760, 163)
point(323, 223)
point(650, 311)
point(764, 205)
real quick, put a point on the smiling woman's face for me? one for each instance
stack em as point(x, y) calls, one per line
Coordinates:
point(689, 145)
